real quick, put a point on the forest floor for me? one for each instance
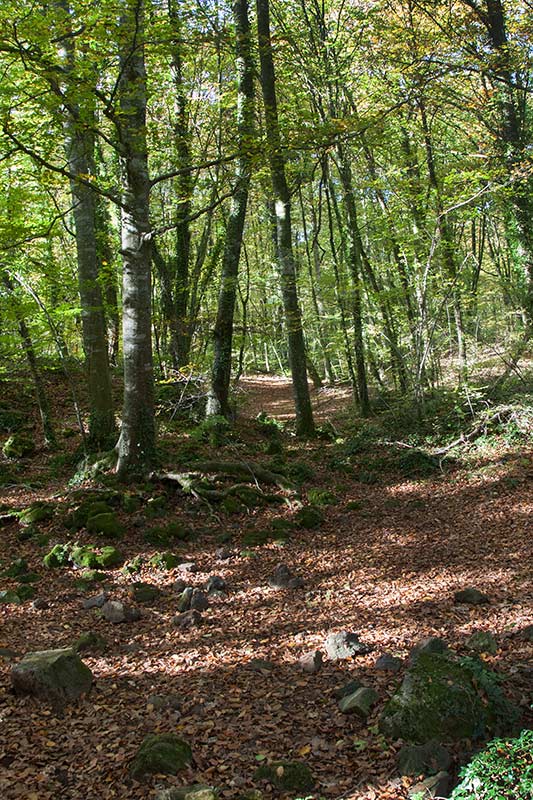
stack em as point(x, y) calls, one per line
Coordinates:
point(385, 563)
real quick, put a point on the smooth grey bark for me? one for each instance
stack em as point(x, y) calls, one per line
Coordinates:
point(218, 399)
point(136, 446)
point(79, 144)
point(282, 206)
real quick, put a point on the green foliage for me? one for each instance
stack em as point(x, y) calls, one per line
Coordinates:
point(321, 497)
point(165, 560)
point(163, 536)
point(214, 430)
point(300, 472)
point(19, 445)
point(502, 771)
point(308, 517)
point(58, 556)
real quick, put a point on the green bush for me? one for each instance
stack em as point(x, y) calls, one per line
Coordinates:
point(503, 771)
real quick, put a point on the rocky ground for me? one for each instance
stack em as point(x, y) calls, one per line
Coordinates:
point(236, 655)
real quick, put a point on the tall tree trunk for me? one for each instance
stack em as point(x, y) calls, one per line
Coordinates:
point(79, 142)
point(218, 401)
point(285, 257)
point(136, 447)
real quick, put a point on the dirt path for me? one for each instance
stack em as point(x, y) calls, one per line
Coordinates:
point(273, 395)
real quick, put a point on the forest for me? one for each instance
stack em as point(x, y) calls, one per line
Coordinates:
point(266, 410)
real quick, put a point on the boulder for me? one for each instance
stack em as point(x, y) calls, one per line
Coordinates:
point(423, 759)
point(471, 597)
point(287, 776)
point(445, 700)
point(215, 584)
point(96, 601)
point(163, 753)
point(59, 676)
point(344, 645)
point(360, 702)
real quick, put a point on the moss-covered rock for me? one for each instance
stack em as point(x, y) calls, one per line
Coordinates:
point(56, 675)
point(9, 598)
point(162, 753)
point(445, 700)
point(19, 444)
point(308, 517)
point(144, 593)
point(90, 641)
point(256, 538)
point(88, 578)
point(287, 776)
point(57, 557)
point(84, 556)
point(17, 567)
point(232, 505)
point(108, 557)
point(106, 524)
point(38, 512)
point(25, 592)
point(482, 642)
point(163, 536)
point(165, 560)
point(198, 791)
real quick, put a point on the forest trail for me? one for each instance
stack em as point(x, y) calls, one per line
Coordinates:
point(273, 396)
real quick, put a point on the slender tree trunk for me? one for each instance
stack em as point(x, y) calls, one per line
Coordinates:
point(218, 400)
point(79, 142)
point(285, 257)
point(136, 447)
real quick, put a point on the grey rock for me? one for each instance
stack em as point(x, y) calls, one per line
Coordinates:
point(388, 663)
point(431, 644)
point(215, 584)
point(224, 553)
point(199, 600)
point(116, 612)
point(188, 567)
point(482, 642)
point(283, 578)
point(360, 702)
point(40, 604)
point(97, 601)
point(260, 665)
point(184, 602)
point(311, 662)
point(179, 585)
point(197, 791)
point(164, 702)
point(344, 645)
point(423, 759)
point(436, 786)
point(59, 676)
point(348, 688)
point(188, 619)
point(471, 597)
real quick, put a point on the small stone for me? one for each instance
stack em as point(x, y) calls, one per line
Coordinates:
point(164, 702)
point(59, 676)
point(163, 753)
point(40, 604)
point(189, 619)
point(199, 600)
point(423, 759)
point(311, 662)
point(97, 601)
point(215, 584)
point(284, 579)
point(184, 602)
point(431, 644)
point(197, 791)
point(260, 665)
point(349, 688)
point(388, 662)
point(345, 645)
point(471, 597)
point(90, 641)
point(224, 553)
point(482, 642)
point(188, 567)
point(433, 787)
point(116, 612)
point(360, 702)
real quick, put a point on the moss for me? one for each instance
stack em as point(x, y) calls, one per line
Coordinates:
point(308, 517)
point(163, 536)
point(232, 505)
point(29, 577)
point(107, 524)
point(17, 567)
point(84, 556)
point(90, 641)
point(108, 557)
point(162, 753)
point(165, 560)
point(321, 497)
point(255, 538)
point(18, 445)
point(57, 557)
point(9, 597)
point(441, 699)
point(133, 566)
point(287, 776)
point(25, 592)
point(38, 512)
